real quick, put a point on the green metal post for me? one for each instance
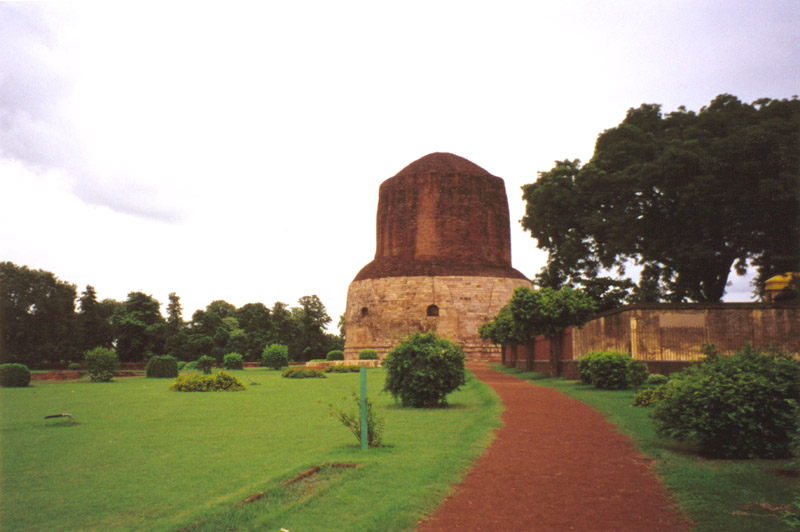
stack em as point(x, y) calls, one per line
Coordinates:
point(364, 440)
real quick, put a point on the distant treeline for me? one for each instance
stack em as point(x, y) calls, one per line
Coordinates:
point(41, 324)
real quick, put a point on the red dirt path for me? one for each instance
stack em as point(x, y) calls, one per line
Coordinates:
point(555, 465)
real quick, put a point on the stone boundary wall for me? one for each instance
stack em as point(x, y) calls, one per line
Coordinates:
point(667, 337)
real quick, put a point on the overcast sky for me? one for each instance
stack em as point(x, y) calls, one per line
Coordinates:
point(234, 151)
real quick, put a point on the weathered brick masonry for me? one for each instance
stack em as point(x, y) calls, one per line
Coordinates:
point(442, 259)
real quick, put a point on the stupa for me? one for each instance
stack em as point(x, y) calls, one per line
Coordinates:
point(442, 259)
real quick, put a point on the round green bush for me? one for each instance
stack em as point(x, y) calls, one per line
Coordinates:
point(423, 369)
point(656, 379)
point(233, 361)
point(585, 366)
point(336, 354)
point(181, 365)
point(275, 356)
point(101, 364)
point(739, 406)
point(14, 375)
point(609, 371)
point(74, 366)
point(190, 366)
point(367, 354)
point(205, 363)
point(162, 367)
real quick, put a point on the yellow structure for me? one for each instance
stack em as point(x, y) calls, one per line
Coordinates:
point(777, 287)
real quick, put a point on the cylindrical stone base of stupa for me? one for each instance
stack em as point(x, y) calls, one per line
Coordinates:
point(381, 312)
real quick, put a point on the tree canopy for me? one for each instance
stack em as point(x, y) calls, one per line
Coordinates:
point(39, 325)
point(686, 196)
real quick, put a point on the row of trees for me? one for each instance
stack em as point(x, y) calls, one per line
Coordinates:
point(39, 324)
point(684, 196)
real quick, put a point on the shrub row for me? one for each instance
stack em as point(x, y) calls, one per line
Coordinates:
point(611, 370)
point(219, 382)
point(233, 361)
point(302, 373)
point(343, 368)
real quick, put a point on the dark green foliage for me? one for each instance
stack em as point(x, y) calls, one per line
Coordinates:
point(368, 354)
point(501, 330)
point(585, 366)
point(14, 376)
point(343, 368)
point(181, 365)
point(743, 405)
point(610, 370)
point(233, 361)
point(336, 354)
point(219, 382)
point(423, 369)
point(74, 366)
point(275, 356)
point(637, 373)
point(687, 195)
point(37, 316)
point(352, 420)
point(139, 327)
point(162, 367)
point(205, 363)
point(547, 311)
point(190, 366)
point(101, 364)
point(302, 373)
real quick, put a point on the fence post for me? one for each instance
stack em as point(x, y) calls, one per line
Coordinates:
point(364, 440)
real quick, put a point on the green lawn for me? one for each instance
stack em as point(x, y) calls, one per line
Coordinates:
point(719, 495)
point(142, 457)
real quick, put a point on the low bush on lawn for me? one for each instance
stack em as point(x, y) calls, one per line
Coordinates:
point(738, 406)
point(101, 364)
point(302, 373)
point(163, 367)
point(275, 356)
point(219, 382)
point(205, 363)
point(14, 375)
point(336, 354)
point(233, 361)
point(368, 354)
point(343, 368)
point(423, 369)
point(352, 420)
point(74, 366)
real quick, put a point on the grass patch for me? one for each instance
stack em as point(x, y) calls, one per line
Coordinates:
point(142, 457)
point(730, 495)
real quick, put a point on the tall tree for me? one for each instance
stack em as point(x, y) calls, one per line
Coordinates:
point(254, 319)
point(139, 328)
point(37, 316)
point(687, 196)
point(313, 319)
point(94, 328)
